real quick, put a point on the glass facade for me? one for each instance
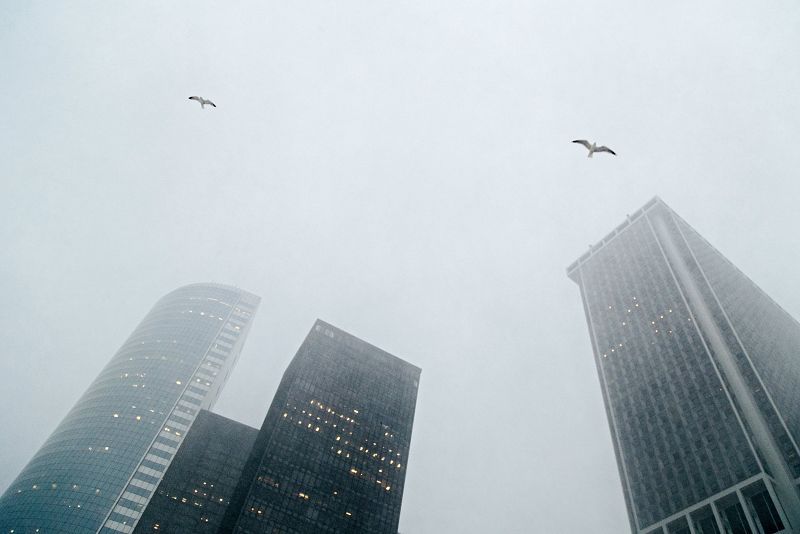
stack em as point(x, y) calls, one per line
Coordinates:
point(332, 453)
point(197, 487)
point(701, 443)
point(99, 468)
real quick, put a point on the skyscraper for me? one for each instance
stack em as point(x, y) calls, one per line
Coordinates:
point(197, 488)
point(700, 375)
point(331, 455)
point(98, 469)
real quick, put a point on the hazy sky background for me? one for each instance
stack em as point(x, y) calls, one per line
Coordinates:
point(402, 170)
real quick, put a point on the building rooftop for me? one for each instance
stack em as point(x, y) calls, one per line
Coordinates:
point(593, 249)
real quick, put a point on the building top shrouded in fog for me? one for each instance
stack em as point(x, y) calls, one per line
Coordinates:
point(700, 374)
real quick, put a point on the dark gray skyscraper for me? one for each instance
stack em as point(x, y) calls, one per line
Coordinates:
point(331, 455)
point(99, 468)
point(197, 488)
point(700, 373)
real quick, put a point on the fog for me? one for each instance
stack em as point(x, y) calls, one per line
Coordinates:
point(402, 170)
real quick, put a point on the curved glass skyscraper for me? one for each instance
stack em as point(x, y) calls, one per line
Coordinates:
point(98, 469)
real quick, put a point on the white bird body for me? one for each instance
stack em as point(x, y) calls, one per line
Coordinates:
point(592, 147)
point(203, 101)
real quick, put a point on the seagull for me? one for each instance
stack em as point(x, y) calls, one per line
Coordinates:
point(202, 101)
point(593, 147)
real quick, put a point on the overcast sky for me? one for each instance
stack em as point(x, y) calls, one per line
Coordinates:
point(402, 170)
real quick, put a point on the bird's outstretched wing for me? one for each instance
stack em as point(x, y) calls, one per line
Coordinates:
point(199, 99)
point(210, 103)
point(583, 142)
point(604, 149)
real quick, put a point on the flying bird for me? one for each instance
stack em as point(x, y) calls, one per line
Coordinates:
point(593, 147)
point(202, 101)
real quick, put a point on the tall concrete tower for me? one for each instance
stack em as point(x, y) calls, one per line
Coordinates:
point(700, 374)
